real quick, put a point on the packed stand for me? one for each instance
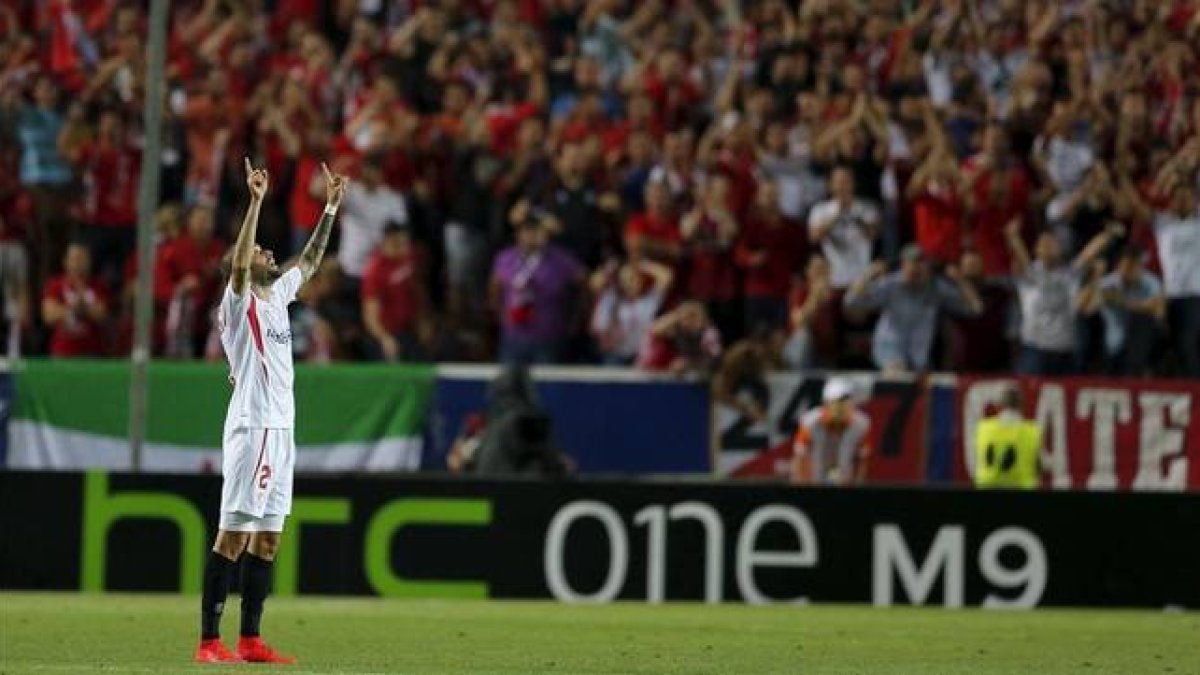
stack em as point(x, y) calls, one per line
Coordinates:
point(970, 185)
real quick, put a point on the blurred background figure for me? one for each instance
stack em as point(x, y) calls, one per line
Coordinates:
point(518, 436)
point(1008, 447)
point(831, 445)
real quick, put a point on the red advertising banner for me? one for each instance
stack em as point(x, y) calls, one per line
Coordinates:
point(897, 408)
point(1098, 433)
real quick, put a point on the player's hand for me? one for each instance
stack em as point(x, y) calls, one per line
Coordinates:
point(335, 187)
point(256, 179)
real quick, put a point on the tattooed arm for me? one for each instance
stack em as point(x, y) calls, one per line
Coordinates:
point(310, 258)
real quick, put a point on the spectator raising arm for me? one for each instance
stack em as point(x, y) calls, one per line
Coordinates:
point(864, 295)
point(1096, 246)
point(1016, 245)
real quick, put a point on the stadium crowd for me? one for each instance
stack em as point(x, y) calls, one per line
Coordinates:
point(968, 185)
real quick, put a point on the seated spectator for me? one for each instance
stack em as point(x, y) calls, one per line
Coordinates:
point(769, 250)
point(682, 342)
point(1048, 290)
point(814, 312)
point(981, 343)
point(831, 445)
point(909, 302)
point(1131, 302)
point(628, 299)
point(74, 307)
point(534, 290)
point(846, 228)
point(394, 296)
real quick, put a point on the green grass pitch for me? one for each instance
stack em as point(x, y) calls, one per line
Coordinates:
point(70, 633)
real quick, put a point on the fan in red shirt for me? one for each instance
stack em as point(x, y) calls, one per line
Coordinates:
point(74, 307)
point(393, 295)
point(770, 251)
point(187, 280)
point(654, 233)
point(709, 231)
point(937, 207)
point(111, 167)
point(998, 190)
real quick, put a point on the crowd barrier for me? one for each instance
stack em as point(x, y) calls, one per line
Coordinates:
point(1100, 433)
point(596, 542)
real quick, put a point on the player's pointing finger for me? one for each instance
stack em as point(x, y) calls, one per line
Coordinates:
point(249, 167)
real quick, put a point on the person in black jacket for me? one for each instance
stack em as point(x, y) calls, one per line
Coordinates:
point(518, 438)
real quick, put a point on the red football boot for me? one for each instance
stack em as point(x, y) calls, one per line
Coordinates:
point(254, 650)
point(214, 651)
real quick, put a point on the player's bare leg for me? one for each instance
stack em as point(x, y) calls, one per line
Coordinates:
point(257, 566)
point(218, 574)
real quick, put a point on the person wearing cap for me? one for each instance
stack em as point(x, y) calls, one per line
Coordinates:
point(1008, 448)
point(909, 301)
point(832, 443)
point(534, 288)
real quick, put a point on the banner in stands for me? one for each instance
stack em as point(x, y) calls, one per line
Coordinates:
point(74, 414)
point(608, 421)
point(1098, 433)
point(749, 449)
point(604, 541)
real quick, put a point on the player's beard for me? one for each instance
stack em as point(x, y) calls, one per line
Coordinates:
point(265, 276)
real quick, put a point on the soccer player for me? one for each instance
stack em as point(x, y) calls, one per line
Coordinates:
point(259, 449)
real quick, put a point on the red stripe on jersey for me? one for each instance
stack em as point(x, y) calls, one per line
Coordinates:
point(256, 332)
point(255, 329)
point(261, 448)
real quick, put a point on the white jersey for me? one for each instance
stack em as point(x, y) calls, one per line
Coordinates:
point(257, 338)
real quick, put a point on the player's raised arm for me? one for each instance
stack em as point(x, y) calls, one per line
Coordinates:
point(310, 258)
point(243, 250)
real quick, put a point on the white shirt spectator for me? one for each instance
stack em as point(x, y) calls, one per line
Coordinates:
point(1047, 299)
point(1179, 252)
point(626, 320)
point(364, 215)
point(848, 245)
point(997, 73)
point(1067, 161)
